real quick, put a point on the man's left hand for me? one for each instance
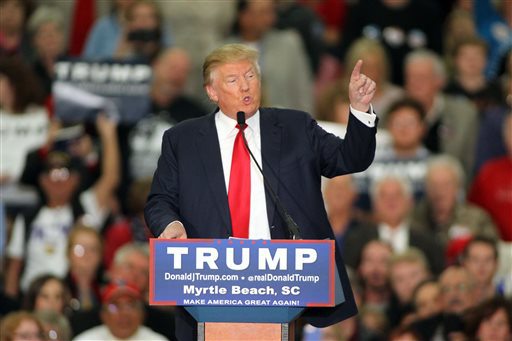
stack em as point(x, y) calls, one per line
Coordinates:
point(361, 89)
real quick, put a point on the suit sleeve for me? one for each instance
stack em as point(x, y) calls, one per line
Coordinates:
point(162, 206)
point(339, 156)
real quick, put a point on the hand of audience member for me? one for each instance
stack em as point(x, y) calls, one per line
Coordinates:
point(361, 89)
point(105, 126)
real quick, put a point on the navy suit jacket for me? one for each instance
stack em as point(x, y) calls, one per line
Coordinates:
point(189, 184)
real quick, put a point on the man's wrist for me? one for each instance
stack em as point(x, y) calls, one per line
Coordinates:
point(174, 223)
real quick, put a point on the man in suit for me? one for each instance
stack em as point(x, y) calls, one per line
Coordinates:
point(190, 194)
point(392, 199)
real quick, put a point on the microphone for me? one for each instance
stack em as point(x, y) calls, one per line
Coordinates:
point(293, 229)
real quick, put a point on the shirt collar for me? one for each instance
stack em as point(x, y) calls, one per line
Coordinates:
point(226, 126)
point(388, 230)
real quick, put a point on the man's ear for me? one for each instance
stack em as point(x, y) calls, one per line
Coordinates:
point(212, 94)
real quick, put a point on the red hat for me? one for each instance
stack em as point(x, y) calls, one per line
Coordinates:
point(118, 289)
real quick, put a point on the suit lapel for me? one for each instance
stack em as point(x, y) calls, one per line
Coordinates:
point(209, 153)
point(270, 154)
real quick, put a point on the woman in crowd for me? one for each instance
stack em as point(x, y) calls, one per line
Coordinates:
point(24, 119)
point(47, 292)
point(21, 326)
point(84, 276)
point(491, 320)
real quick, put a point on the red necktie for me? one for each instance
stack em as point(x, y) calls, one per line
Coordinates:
point(239, 193)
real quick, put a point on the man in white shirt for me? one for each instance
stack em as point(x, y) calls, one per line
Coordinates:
point(392, 200)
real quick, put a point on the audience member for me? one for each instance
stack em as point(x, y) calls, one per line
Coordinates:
point(459, 25)
point(24, 119)
point(404, 334)
point(427, 299)
point(457, 290)
point(401, 25)
point(441, 212)
point(131, 228)
point(56, 325)
point(392, 201)
point(122, 314)
point(452, 122)
point(333, 14)
point(480, 259)
point(490, 320)
point(212, 22)
point(47, 292)
point(340, 194)
point(295, 16)
point(13, 37)
point(46, 27)
point(374, 321)
point(405, 156)
point(492, 186)
point(40, 237)
point(373, 270)
point(281, 56)
point(21, 325)
point(377, 67)
point(143, 32)
point(134, 30)
point(456, 296)
point(84, 278)
point(469, 59)
point(407, 270)
point(169, 106)
point(107, 32)
point(131, 265)
point(495, 27)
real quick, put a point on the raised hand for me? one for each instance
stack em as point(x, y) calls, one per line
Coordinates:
point(361, 89)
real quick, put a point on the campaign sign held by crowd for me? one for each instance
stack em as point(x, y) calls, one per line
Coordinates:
point(119, 89)
point(236, 272)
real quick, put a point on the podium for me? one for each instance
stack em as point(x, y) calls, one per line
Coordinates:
point(244, 289)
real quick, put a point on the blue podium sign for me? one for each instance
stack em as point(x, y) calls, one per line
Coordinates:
point(235, 272)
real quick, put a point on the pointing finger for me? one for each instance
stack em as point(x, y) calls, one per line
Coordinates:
point(357, 70)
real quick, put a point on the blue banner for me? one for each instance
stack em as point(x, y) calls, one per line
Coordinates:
point(235, 272)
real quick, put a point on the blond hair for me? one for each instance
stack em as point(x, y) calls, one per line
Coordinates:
point(230, 53)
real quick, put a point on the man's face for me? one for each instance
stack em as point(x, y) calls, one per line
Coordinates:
point(123, 316)
point(135, 269)
point(405, 276)
point(471, 60)
point(442, 188)
point(406, 128)
point(374, 267)
point(391, 202)
point(456, 291)
point(428, 300)
point(421, 81)
point(258, 18)
point(235, 87)
point(481, 262)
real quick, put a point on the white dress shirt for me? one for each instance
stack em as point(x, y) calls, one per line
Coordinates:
point(397, 237)
point(226, 132)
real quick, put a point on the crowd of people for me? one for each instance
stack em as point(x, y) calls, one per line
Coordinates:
point(425, 231)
